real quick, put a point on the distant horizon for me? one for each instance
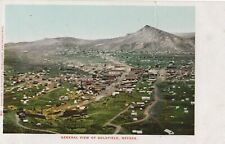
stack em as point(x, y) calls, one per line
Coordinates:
point(27, 23)
point(91, 39)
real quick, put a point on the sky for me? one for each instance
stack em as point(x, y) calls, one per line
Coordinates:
point(34, 22)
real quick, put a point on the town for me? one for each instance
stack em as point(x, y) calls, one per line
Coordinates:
point(128, 94)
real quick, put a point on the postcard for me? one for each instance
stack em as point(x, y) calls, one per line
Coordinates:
point(98, 72)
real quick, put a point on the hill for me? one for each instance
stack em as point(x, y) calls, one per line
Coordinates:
point(67, 49)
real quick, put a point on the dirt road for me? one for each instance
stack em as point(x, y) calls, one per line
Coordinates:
point(118, 127)
point(147, 115)
point(147, 110)
point(32, 129)
point(110, 89)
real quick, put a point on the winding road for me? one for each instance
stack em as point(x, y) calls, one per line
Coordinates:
point(148, 108)
point(161, 77)
point(118, 127)
point(32, 129)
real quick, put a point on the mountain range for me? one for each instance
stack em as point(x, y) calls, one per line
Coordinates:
point(147, 39)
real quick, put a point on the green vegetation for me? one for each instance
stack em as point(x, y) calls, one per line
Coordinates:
point(10, 124)
point(178, 112)
point(149, 61)
point(174, 110)
point(98, 113)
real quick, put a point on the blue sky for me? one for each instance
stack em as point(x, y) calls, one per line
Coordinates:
point(33, 22)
